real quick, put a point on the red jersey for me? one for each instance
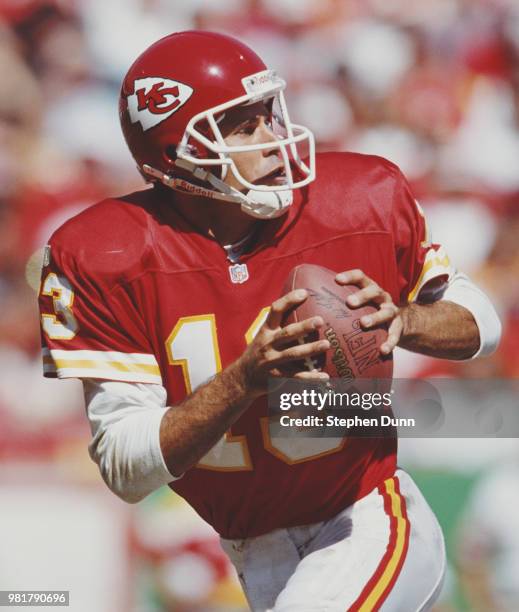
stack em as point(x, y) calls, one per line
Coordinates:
point(131, 291)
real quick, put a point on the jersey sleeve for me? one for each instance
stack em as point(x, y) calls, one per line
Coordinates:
point(424, 268)
point(91, 326)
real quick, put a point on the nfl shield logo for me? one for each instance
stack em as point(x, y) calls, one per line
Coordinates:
point(239, 273)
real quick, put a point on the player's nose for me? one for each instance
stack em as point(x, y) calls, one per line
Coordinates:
point(266, 134)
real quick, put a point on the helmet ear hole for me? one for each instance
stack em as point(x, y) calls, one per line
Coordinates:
point(171, 153)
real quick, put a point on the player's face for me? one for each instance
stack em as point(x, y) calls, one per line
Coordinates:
point(248, 125)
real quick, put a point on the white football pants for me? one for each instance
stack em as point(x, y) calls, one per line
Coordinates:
point(385, 552)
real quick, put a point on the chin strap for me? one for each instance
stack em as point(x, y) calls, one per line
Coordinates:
point(259, 204)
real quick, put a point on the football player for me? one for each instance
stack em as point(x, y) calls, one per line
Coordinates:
point(166, 303)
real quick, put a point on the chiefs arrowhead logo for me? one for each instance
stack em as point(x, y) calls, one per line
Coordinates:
point(156, 99)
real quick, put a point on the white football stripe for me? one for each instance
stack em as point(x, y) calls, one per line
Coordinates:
point(108, 375)
point(76, 355)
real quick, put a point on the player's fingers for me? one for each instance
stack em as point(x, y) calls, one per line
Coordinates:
point(312, 375)
point(294, 331)
point(353, 277)
point(301, 351)
point(387, 312)
point(371, 293)
point(393, 336)
point(281, 305)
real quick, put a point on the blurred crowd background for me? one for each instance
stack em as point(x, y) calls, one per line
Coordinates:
point(432, 85)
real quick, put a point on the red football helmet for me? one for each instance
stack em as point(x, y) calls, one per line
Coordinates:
point(171, 101)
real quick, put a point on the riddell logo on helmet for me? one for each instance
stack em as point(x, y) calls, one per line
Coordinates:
point(155, 99)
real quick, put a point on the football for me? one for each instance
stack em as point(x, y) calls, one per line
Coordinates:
point(354, 351)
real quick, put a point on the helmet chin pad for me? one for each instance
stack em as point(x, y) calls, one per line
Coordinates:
point(267, 204)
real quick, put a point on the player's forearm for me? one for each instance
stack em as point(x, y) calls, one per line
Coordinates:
point(189, 430)
point(442, 329)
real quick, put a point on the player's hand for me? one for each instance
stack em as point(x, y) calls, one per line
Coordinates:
point(388, 312)
point(274, 346)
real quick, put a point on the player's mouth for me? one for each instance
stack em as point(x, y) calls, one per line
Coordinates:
point(275, 177)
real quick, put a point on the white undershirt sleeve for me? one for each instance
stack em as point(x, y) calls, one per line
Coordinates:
point(462, 291)
point(125, 422)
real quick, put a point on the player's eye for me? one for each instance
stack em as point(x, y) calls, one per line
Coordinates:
point(247, 128)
